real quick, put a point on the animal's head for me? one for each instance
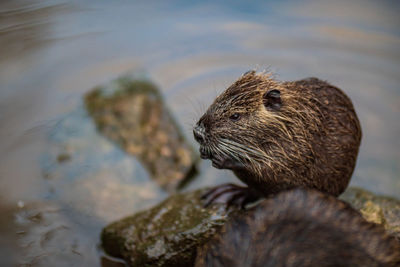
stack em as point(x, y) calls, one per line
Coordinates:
point(246, 124)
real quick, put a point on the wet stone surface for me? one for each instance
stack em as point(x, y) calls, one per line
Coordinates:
point(132, 114)
point(166, 235)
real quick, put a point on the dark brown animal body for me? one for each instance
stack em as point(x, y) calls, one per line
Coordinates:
point(279, 135)
point(300, 228)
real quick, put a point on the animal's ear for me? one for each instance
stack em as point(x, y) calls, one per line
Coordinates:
point(272, 99)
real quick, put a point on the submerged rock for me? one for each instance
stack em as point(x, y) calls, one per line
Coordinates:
point(132, 114)
point(166, 235)
point(381, 210)
point(48, 236)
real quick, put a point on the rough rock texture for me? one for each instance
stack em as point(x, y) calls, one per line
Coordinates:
point(132, 114)
point(377, 209)
point(166, 235)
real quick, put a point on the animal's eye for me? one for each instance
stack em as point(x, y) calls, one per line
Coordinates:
point(235, 117)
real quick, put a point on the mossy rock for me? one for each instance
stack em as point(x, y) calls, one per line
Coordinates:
point(166, 235)
point(169, 233)
point(381, 210)
point(132, 114)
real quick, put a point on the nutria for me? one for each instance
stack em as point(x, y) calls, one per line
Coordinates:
point(279, 135)
point(300, 227)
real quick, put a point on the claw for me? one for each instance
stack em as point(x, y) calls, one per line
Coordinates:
point(230, 194)
point(217, 189)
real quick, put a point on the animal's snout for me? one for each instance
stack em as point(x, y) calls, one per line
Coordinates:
point(198, 133)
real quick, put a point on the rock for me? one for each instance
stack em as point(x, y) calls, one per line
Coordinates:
point(132, 114)
point(166, 235)
point(169, 233)
point(99, 179)
point(63, 157)
point(106, 198)
point(377, 209)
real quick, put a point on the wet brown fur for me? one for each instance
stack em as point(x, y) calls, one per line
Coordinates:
point(300, 228)
point(312, 140)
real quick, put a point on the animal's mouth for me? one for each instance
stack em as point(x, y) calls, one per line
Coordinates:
point(218, 161)
point(205, 153)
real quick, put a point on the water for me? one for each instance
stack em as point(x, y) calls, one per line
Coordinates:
point(52, 52)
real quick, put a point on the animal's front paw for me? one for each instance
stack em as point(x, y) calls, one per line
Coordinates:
point(229, 194)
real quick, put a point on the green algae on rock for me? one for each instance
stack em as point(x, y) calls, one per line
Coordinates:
point(381, 210)
point(132, 114)
point(166, 235)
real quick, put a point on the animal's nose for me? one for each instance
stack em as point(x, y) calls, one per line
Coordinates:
point(198, 134)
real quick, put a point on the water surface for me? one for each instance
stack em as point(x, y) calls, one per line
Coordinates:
point(52, 52)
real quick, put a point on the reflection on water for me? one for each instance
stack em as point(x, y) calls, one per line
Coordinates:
point(53, 52)
point(24, 26)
